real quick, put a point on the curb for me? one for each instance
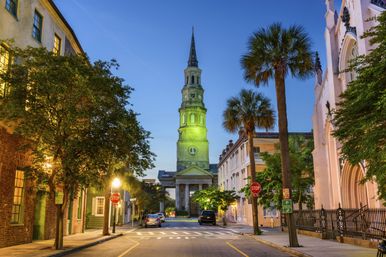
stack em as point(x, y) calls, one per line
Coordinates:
point(77, 249)
point(279, 247)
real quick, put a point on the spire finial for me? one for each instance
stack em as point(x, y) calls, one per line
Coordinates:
point(192, 62)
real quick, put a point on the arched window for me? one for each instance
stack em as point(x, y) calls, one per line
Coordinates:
point(192, 118)
point(192, 79)
point(351, 55)
point(198, 80)
point(183, 119)
point(187, 80)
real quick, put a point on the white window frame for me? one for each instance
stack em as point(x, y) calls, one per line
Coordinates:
point(96, 206)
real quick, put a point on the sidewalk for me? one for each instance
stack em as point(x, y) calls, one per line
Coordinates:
point(44, 248)
point(311, 246)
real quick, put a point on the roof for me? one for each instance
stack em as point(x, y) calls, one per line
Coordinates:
point(192, 62)
point(51, 2)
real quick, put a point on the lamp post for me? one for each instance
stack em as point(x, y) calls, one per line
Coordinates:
point(115, 198)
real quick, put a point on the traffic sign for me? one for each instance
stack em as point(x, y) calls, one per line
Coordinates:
point(286, 193)
point(286, 206)
point(255, 189)
point(115, 197)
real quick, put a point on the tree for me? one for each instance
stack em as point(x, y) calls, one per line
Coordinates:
point(274, 53)
point(213, 199)
point(73, 117)
point(249, 111)
point(302, 174)
point(360, 117)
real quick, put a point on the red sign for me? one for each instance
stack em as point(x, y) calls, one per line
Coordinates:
point(255, 189)
point(115, 197)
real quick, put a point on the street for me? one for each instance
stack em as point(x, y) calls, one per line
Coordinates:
point(181, 238)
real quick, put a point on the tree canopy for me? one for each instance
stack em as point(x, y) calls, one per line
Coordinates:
point(213, 198)
point(360, 118)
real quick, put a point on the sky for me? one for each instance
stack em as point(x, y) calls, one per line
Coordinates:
point(150, 39)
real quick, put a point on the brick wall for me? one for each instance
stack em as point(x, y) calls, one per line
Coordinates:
point(10, 160)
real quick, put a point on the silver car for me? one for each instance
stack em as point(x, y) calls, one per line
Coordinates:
point(152, 220)
point(161, 216)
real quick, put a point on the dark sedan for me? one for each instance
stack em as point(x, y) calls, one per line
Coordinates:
point(207, 217)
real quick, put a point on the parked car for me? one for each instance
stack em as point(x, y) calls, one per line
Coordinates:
point(152, 220)
point(207, 217)
point(161, 216)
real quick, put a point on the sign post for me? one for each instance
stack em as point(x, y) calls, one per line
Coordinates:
point(255, 189)
point(114, 198)
point(132, 200)
point(287, 206)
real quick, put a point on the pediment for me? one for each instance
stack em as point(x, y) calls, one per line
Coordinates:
point(194, 171)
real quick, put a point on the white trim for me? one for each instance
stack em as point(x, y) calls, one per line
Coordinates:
point(96, 206)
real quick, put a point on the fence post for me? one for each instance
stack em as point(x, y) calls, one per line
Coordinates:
point(323, 222)
point(341, 223)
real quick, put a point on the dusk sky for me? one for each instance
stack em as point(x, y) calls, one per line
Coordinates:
point(150, 39)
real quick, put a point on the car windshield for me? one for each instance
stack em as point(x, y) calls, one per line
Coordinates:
point(152, 216)
point(160, 214)
point(207, 213)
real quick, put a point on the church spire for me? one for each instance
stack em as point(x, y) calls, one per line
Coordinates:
point(192, 62)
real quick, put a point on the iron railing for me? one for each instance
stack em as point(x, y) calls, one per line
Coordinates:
point(362, 223)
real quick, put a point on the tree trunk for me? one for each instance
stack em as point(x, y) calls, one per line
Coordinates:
point(59, 227)
point(224, 220)
point(106, 212)
point(255, 216)
point(284, 150)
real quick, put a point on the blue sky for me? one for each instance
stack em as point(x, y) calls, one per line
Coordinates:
point(150, 39)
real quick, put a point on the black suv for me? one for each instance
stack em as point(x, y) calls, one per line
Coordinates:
point(207, 217)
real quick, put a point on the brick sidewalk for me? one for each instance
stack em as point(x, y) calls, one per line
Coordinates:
point(311, 246)
point(44, 248)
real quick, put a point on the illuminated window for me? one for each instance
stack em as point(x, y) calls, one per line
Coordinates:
point(37, 26)
point(99, 206)
point(192, 118)
point(17, 205)
point(57, 45)
point(4, 67)
point(11, 6)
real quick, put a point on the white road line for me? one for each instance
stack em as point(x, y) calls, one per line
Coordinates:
point(151, 233)
point(174, 233)
point(170, 237)
point(158, 237)
point(139, 233)
point(163, 233)
point(198, 233)
point(186, 233)
point(186, 237)
point(192, 237)
point(178, 237)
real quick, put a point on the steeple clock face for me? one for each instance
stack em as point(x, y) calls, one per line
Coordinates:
point(192, 150)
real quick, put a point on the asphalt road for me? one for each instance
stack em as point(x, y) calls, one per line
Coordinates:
point(181, 238)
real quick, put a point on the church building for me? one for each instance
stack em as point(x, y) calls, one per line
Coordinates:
point(193, 169)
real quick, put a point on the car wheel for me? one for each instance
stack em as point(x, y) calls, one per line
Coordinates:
point(145, 225)
point(159, 225)
point(200, 223)
point(214, 223)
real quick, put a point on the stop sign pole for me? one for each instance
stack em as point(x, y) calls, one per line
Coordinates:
point(255, 189)
point(114, 198)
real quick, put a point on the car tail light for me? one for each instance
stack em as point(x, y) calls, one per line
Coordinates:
point(157, 219)
point(147, 220)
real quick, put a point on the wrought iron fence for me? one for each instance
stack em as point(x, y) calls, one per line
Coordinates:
point(362, 223)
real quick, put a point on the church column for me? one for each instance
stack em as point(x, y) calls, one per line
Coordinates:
point(178, 205)
point(187, 197)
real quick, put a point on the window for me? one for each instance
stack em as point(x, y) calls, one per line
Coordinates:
point(37, 26)
point(192, 118)
point(57, 45)
point(80, 203)
point(99, 206)
point(4, 67)
point(11, 6)
point(17, 209)
point(192, 79)
point(256, 151)
point(270, 212)
point(192, 96)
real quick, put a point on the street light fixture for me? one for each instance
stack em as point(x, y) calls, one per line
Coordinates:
point(116, 184)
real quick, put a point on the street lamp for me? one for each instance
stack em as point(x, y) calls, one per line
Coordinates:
point(115, 185)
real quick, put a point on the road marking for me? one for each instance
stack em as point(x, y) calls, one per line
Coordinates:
point(131, 248)
point(158, 237)
point(174, 233)
point(186, 237)
point(151, 233)
point(198, 233)
point(163, 233)
point(170, 237)
point(237, 249)
point(186, 233)
point(139, 233)
point(178, 237)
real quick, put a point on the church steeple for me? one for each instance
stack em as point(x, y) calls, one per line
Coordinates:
point(192, 62)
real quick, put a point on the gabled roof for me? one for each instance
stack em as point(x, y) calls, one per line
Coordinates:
point(194, 171)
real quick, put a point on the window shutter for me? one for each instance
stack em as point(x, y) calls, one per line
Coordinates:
point(93, 208)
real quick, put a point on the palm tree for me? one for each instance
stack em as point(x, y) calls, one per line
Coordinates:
point(273, 53)
point(249, 111)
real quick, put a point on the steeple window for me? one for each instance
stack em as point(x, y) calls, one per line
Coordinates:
point(192, 118)
point(192, 79)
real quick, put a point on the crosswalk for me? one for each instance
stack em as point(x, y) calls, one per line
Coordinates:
point(182, 235)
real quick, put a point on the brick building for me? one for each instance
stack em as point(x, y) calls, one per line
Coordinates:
point(28, 212)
